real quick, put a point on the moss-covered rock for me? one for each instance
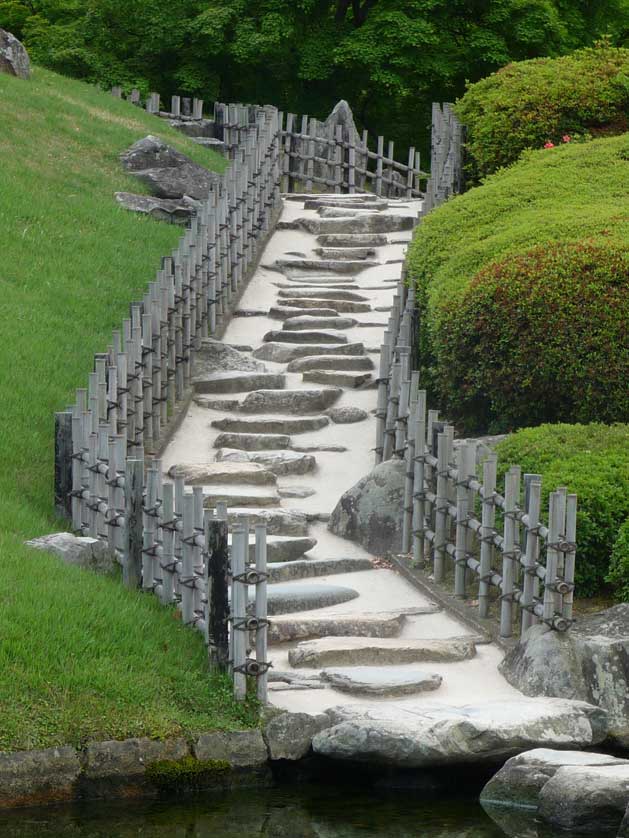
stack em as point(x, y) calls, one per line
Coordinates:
point(187, 774)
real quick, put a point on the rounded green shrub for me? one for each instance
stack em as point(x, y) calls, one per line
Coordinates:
point(538, 337)
point(593, 461)
point(619, 564)
point(528, 103)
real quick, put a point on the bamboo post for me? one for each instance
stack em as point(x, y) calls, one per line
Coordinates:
point(351, 165)
point(218, 605)
point(394, 395)
point(63, 464)
point(310, 154)
point(240, 547)
point(532, 500)
point(186, 580)
point(466, 467)
point(381, 409)
point(570, 554)
point(378, 181)
point(168, 561)
point(198, 567)
point(134, 505)
point(410, 172)
point(407, 520)
point(261, 611)
point(488, 519)
point(419, 487)
point(175, 106)
point(150, 530)
point(391, 190)
point(339, 158)
point(289, 184)
point(303, 151)
point(552, 556)
point(510, 553)
point(441, 505)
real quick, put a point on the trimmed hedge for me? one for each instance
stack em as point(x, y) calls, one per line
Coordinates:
point(528, 103)
point(531, 250)
point(593, 461)
point(619, 565)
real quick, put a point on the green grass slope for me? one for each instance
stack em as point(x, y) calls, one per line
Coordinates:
point(80, 657)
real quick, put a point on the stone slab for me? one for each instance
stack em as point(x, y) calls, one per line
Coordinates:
point(277, 462)
point(216, 356)
point(278, 521)
point(345, 306)
point(382, 682)
point(284, 312)
point(351, 240)
point(303, 336)
point(355, 625)
point(332, 294)
point(237, 382)
point(290, 401)
point(310, 568)
point(347, 415)
point(212, 403)
point(252, 441)
point(337, 379)
point(308, 322)
point(242, 749)
point(32, 778)
point(356, 651)
point(330, 362)
point(266, 426)
point(80, 551)
point(345, 252)
point(240, 496)
point(224, 472)
point(290, 597)
point(338, 266)
point(282, 353)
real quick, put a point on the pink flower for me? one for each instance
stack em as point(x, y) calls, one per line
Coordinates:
point(566, 138)
point(549, 144)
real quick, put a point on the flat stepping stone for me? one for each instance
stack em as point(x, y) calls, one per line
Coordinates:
point(305, 336)
point(342, 212)
point(296, 492)
point(372, 223)
point(252, 441)
point(309, 321)
point(388, 681)
point(337, 449)
point(290, 401)
point(284, 312)
point(338, 379)
point(340, 306)
point(249, 312)
point(237, 382)
point(317, 203)
point(347, 415)
point(312, 279)
point(345, 252)
point(240, 496)
point(290, 597)
point(266, 426)
point(332, 651)
point(330, 362)
point(337, 266)
point(210, 403)
point(276, 462)
point(332, 294)
point(355, 240)
point(288, 629)
point(282, 548)
point(282, 353)
point(252, 474)
point(215, 356)
point(310, 568)
point(278, 521)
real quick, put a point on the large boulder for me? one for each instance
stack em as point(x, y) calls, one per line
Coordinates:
point(371, 511)
point(167, 172)
point(590, 799)
point(589, 663)
point(14, 59)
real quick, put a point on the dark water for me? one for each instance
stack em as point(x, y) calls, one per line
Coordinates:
point(296, 812)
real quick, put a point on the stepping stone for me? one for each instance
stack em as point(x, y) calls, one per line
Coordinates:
point(338, 266)
point(227, 405)
point(282, 548)
point(281, 686)
point(338, 379)
point(299, 294)
point(215, 356)
point(287, 629)
point(282, 336)
point(385, 681)
point(282, 353)
point(249, 312)
point(330, 362)
point(252, 442)
point(310, 279)
point(345, 252)
point(356, 240)
point(372, 223)
point(383, 308)
point(278, 521)
point(309, 321)
point(337, 449)
point(253, 474)
point(284, 312)
point(290, 597)
point(237, 382)
point(309, 568)
point(347, 306)
point(269, 426)
point(342, 212)
point(317, 203)
point(240, 496)
point(347, 415)
point(358, 652)
point(277, 462)
point(296, 492)
point(290, 401)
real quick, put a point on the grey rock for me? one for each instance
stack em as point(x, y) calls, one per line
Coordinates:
point(418, 735)
point(330, 362)
point(281, 549)
point(385, 681)
point(308, 321)
point(121, 761)
point(287, 629)
point(589, 663)
point(347, 415)
point(277, 462)
point(33, 778)
point(484, 445)
point(242, 749)
point(250, 312)
point(171, 210)
point(347, 306)
point(210, 142)
point(338, 266)
point(520, 780)
point(369, 512)
point(194, 128)
point(364, 223)
point(14, 60)
point(252, 442)
point(265, 426)
point(337, 378)
point(297, 492)
point(290, 401)
point(336, 449)
point(332, 294)
point(80, 551)
point(278, 521)
point(210, 403)
point(345, 252)
point(309, 568)
point(236, 382)
point(240, 496)
point(285, 598)
point(224, 472)
point(284, 312)
point(167, 172)
point(282, 353)
point(289, 735)
point(358, 651)
point(589, 799)
point(303, 336)
point(215, 356)
point(355, 240)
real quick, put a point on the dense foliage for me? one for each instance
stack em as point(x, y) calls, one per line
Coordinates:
point(619, 564)
point(510, 254)
point(389, 58)
point(527, 104)
point(593, 461)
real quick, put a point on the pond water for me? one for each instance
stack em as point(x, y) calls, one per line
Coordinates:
point(295, 812)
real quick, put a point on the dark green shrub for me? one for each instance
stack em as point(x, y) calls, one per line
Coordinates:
point(528, 103)
point(593, 461)
point(619, 564)
point(539, 337)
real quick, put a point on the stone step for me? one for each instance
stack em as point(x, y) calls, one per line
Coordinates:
point(210, 403)
point(315, 279)
point(303, 336)
point(270, 425)
point(312, 449)
point(278, 521)
point(251, 473)
point(296, 492)
point(355, 240)
point(347, 415)
point(240, 496)
point(250, 312)
point(252, 441)
point(345, 252)
point(288, 629)
point(237, 382)
point(282, 353)
point(215, 356)
point(285, 312)
point(343, 212)
point(371, 223)
point(337, 266)
point(358, 197)
point(332, 294)
point(338, 379)
point(334, 651)
point(309, 321)
point(277, 462)
point(290, 401)
point(310, 568)
point(282, 549)
point(341, 306)
point(330, 362)
point(343, 203)
point(286, 598)
point(382, 682)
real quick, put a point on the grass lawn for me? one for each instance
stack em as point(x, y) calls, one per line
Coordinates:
point(80, 657)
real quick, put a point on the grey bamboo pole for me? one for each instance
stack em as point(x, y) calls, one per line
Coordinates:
point(63, 464)
point(240, 547)
point(488, 519)
point(186, 579)
point(419, 488)
point(218, 568)
point(570, 554)
point(261, 611)
point(533, 497)
point(466, 467)
point(554, 531)
point(510, 553)
point(134, 505)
